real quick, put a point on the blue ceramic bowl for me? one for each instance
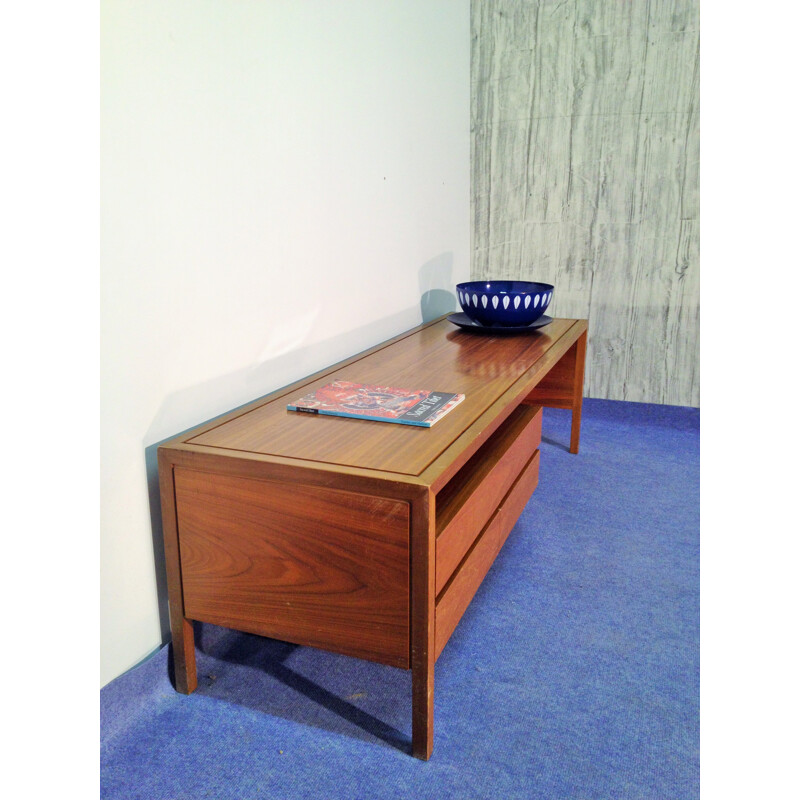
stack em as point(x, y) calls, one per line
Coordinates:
point(504, 303)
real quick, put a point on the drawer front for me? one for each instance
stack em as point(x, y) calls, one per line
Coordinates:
point(466, 504)
point(454, 601)
point(303, 564)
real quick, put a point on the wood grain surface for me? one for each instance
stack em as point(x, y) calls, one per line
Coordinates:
point(585, 174)
point(440, 357)
point(303, 564)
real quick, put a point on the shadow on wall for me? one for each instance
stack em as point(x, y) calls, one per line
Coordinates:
point(437, 299)
point(435, 287)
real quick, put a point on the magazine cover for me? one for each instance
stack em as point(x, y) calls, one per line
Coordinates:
point(419, 407)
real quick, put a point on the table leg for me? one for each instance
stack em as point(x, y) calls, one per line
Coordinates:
point(577, 392)
point(423, 609)
point(562, 387)
point(183, 656)
point(422, 712)
point(182, 631)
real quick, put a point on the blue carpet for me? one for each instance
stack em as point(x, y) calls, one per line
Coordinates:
point(574, 674)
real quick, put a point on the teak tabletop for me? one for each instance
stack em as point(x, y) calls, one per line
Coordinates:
point(380, 502)
point(436, 356)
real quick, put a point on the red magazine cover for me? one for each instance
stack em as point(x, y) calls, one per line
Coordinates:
point(420, 407)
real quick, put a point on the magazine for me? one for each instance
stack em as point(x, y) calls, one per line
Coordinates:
point(419, 407)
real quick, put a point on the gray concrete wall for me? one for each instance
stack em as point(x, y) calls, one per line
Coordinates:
point(585, 174)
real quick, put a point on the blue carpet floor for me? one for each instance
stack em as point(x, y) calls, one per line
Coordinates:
point(574, 674)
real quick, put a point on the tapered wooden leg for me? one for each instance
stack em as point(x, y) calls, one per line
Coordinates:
point(423, 609)
point(422, 712)
point(577, 392)
point(183, 656)
point(182, 630)
point(562, 387)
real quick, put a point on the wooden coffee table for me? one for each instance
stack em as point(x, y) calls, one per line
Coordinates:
point(363, 537)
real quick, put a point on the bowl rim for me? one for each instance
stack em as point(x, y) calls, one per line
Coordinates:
point(482, 286)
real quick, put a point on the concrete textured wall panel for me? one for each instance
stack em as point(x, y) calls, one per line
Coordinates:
point(585, 173)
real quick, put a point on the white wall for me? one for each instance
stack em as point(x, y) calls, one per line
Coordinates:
point(281, 184)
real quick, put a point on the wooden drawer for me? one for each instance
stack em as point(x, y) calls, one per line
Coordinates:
point(453, 602)
point(467, 502)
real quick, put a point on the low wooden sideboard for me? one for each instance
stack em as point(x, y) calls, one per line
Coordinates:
point(356, 536)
